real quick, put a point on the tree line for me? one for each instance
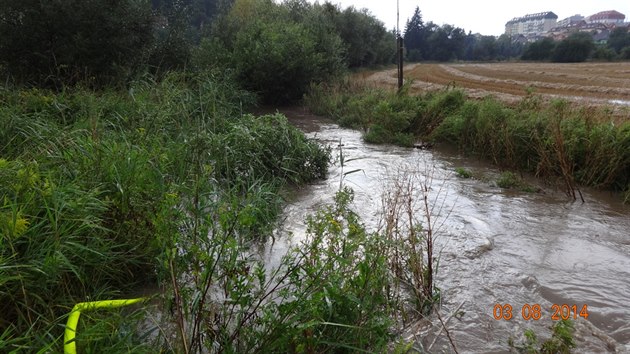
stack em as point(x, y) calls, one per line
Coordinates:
point(274, 49)
point(430, 42)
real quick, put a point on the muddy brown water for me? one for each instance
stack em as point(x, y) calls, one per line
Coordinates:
point(496, 246)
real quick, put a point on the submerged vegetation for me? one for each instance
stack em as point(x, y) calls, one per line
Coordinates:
point(576, 145)
point(561, 340)
point(463, 173)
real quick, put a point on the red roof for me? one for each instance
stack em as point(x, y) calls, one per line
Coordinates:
point(608, 15)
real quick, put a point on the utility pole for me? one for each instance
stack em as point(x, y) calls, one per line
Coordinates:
point(399, 46)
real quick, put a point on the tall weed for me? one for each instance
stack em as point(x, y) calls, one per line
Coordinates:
point(84, 174)
point(328, 293)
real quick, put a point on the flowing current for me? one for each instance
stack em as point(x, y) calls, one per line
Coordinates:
point(495, 246)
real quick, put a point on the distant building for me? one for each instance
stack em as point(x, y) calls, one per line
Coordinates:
point(599, 31)
point(532, 24)
point(569, 21)
point(534, 27)
point(611, 17)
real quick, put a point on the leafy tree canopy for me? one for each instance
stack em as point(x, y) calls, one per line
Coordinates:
point(619, 38)
point(539, 50)
point(416, 33)
point(63, 42)
point(576, 48)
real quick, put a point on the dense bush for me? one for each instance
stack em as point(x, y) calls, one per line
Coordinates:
point(574, 49)
point(604, 54)
point(85, 176)
point(539, 50)
point(329, 294)
point(278, 50)
point(366, 40)
point(280, 59)
point(56, 43)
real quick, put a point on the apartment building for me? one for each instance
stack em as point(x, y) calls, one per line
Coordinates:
point(600, 25)
point(610, 17)
point(532, 24)
point(570, 21)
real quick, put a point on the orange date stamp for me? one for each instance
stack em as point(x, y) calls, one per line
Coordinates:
point(534, 312)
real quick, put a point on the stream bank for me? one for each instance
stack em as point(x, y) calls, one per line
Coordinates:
point(496, 246)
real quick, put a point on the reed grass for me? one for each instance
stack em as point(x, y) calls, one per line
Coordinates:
point(556, 141)
point(87, 177)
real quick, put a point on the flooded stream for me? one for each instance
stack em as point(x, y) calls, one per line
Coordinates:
point(496, 246)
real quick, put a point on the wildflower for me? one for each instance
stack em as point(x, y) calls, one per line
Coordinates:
point(13, 225)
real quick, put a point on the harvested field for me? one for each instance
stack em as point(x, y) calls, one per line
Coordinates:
point(589, 83)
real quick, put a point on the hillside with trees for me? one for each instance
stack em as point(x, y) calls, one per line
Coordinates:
point(430, 42)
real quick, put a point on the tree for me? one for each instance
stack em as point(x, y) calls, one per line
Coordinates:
point(276, 56)
point(539, 50)
point(63, 42)
point(618, 39)
point(604, 53)
point(199, 13)
point(485, 48)
point(508, 48)
point(363, 35)
point(445, 43)
point(457, 40)
point(173, 38)
point(415, 37)
point(576, 48)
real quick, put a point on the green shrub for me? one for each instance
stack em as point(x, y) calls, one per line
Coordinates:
point(439, 105)
point(360, 111)
point(252, 148)
point(604, 54)
point(463, 173)
point(561, 340)
point(347, 276)
point(86, 176)
point(458, 127)
point(377, 135)
point(508, 180)
point(328, 294)
point(404, 139)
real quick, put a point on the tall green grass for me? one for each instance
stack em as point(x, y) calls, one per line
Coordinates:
point(85, 177)
point(170, 185)
point(553, 140)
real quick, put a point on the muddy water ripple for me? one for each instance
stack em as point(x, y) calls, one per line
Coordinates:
point(496, 246)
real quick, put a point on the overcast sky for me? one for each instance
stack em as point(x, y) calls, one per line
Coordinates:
point(487, 17)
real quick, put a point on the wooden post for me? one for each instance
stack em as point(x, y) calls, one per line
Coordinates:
point(400, 62)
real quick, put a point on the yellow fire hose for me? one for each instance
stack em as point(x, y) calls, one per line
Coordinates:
point(70, 346)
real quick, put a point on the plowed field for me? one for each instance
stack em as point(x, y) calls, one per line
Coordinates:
point(589, 83)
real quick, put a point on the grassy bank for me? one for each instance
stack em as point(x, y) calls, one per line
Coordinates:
point(171, 186)
point(557, 140)
point(98, 191)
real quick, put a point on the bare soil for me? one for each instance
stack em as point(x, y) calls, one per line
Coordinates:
point(592, 84)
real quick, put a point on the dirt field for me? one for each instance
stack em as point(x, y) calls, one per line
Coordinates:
point(588, 83)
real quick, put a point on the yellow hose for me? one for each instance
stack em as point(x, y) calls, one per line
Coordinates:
point(70, 346)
